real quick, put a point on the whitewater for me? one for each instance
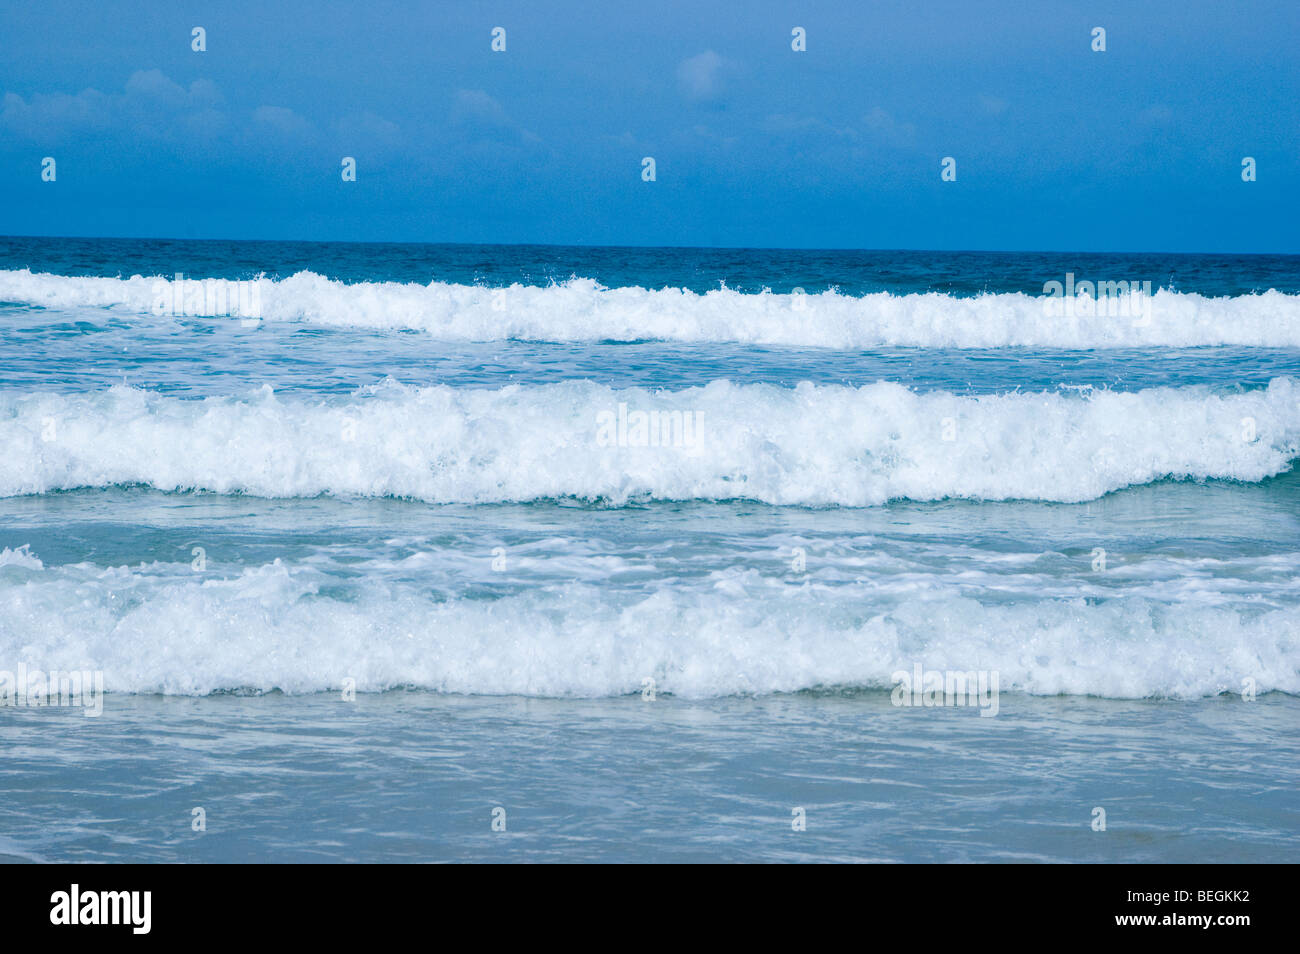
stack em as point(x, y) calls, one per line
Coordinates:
point(162, 629)
point(581, 309)
point(808, 445)
point(495, 484)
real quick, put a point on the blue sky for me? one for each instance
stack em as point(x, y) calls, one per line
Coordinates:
point(1057, 146)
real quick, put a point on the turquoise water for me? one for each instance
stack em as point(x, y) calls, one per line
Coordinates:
point(414, 776)
point(404, 475)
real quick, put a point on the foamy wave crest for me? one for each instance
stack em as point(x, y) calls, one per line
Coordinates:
point(20, 556)
point(269, 628)
point(583, 310)
point(809, 445)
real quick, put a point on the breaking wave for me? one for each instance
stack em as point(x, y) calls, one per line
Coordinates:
point(811, 445)
point(583, 310)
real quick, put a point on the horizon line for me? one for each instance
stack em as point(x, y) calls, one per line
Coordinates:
point(701, 248)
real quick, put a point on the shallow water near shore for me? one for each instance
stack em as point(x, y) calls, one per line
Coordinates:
point(415, 776)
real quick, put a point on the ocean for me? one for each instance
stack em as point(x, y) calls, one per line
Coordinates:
point(524, 553)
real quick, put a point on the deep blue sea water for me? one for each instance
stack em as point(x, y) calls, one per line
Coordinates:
point(632, 544)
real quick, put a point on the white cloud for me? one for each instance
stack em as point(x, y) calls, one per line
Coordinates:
point(477, 111)
point(377, 134)
point(284, 121)
point(701, 77)
point(883, 126)
point(150, 105)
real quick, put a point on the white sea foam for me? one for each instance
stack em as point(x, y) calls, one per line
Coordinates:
point(809, 445)
point(20, 556)
point(582, 310)
point(269, 628)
